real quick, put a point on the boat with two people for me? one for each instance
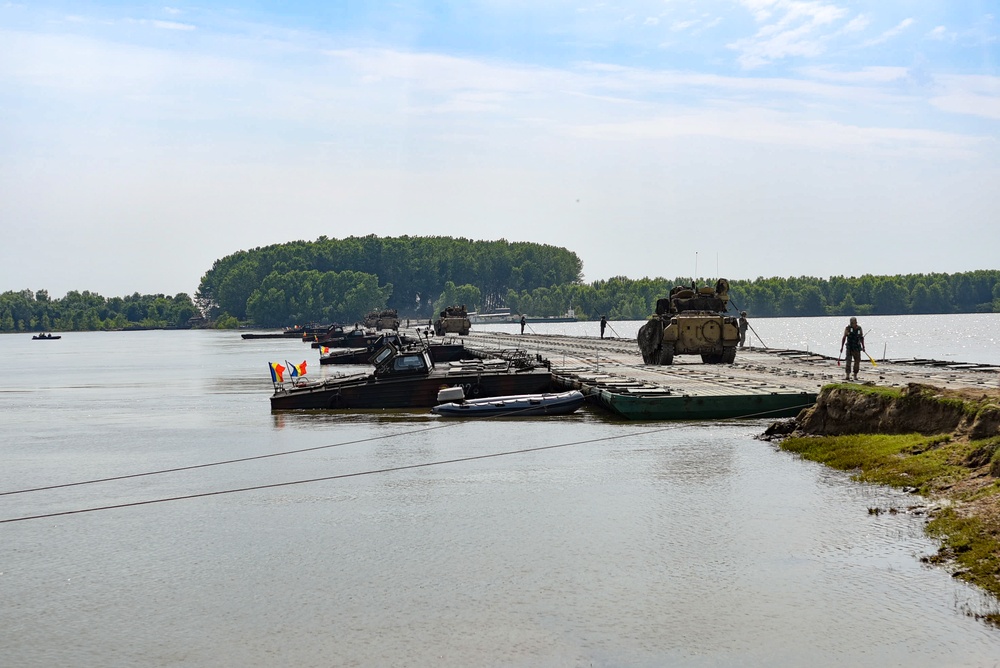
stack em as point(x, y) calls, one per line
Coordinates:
point(46, 337)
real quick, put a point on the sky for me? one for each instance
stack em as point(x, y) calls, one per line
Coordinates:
point(140, 142)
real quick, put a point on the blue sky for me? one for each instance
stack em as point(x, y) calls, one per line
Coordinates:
point(140, 142)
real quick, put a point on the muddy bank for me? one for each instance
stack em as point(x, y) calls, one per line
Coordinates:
point(943, 444)
point(867, 409)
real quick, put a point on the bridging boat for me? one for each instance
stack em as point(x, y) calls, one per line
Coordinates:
point(337, 337)
point(46, 337)
point(439, 351)
point(407, 377)
point(518, 405)
point(295, 332)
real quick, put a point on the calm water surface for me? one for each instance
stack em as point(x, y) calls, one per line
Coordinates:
point(633, 545)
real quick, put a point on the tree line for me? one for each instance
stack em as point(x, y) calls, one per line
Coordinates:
point(27, 311)
point(332, 280)
point(623, 298)
point(338, 280)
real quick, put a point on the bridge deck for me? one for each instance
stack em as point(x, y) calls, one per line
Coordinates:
point(601, 366)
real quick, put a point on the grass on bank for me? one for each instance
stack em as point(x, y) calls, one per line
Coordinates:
point(908, 460)
point(964, 403)
point(938, 467)
point(878, 390)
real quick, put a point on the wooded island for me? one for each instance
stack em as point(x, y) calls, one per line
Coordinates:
point(339, 280)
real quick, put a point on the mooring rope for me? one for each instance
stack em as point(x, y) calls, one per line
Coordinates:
point(506, 453)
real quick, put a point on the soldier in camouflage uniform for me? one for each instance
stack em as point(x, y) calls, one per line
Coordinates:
point(854, 339)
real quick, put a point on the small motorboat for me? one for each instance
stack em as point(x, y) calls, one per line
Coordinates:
point(46, 337)
point(515, 405)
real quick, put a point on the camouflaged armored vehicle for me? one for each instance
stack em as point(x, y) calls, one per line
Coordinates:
point(691, 321)
point(384, 319)
point(453, 320)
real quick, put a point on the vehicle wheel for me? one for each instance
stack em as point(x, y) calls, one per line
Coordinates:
point(667, 353)
point(729, 354)
point(649, 339)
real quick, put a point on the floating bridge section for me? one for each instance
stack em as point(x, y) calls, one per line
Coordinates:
point(762, 383)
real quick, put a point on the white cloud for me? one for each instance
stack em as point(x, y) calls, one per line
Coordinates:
point(969, 95)
point(969, 104)
point(938, 33)
point(796, 32)
point(162, 25)
point(889, 34)
point(857, 24)
point(864, 76)
point(775, 129)
point(73, 65)
point(761, 9)
point(170, 25)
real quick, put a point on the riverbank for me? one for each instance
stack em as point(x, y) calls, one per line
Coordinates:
point(942, 444)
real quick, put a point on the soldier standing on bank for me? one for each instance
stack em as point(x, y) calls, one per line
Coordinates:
point(743, 328)
point(604, 324)
point(523, 323)
point(854, 338)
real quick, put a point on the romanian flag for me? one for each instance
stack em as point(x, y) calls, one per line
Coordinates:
point(324, 350)
point(296, 369)
point(277, 372)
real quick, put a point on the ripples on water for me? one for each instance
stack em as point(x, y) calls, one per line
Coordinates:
point(636, 544)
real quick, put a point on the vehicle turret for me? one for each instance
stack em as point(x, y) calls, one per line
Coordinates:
point(384, 319)
point(691, 321)
point(453, 320)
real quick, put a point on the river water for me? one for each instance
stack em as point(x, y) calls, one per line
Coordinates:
point(629, 545)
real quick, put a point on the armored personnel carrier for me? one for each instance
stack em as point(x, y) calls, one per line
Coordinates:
point(453, 320)
point(384, 319)
point(691, 321)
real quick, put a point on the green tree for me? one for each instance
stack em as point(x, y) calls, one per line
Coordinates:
point(236, 288)
point(810, 301)
point(889, 297)
point(456, 295)
point(416, 267)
